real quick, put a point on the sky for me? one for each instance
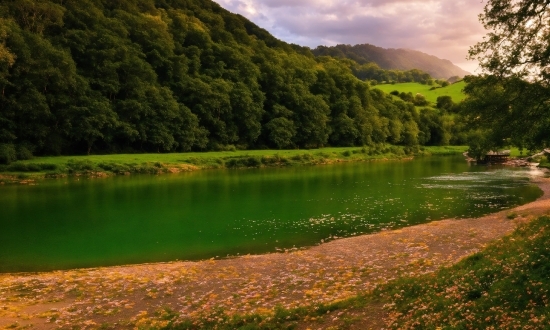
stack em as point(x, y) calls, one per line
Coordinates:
point(443, 28)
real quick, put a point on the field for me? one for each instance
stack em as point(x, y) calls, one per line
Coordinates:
point(454, 90)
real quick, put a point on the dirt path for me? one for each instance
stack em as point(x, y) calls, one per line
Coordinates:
point(130, 295)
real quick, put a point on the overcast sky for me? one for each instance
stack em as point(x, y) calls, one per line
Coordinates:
point(444, 28)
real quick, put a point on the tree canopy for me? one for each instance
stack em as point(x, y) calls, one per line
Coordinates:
point(82, 76)
point(511, 102)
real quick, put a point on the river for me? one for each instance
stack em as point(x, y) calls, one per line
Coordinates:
point(81, 222)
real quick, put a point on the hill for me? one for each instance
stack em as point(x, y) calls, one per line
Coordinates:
point(431, 95)
point(394, 59)
point(130, 76)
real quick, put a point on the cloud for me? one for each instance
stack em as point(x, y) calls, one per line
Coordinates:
point(445, 29)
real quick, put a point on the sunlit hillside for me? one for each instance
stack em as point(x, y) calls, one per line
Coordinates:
point(454, 90)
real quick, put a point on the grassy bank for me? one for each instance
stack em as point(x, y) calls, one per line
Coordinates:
point(506, 286)
point(123, 164)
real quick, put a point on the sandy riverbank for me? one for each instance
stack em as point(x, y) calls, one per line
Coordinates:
point(128, 295)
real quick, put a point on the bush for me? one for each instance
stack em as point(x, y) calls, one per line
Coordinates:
point(48, 167)
point(114, 167)
point(307, 157)
point(21, 167)
point(397, 151)
point(23, 153)
point(7, 153)
point(253, 162)
point(245, 162)
point(79, 166)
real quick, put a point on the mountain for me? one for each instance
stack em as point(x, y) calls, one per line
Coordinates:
point(394, 59)
point(97, 76)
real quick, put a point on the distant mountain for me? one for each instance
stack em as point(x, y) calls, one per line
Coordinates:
point(394, 59)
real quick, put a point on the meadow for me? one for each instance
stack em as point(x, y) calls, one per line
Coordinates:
point(453, 90)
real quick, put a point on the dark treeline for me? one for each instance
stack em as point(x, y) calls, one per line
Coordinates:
point(103, 76)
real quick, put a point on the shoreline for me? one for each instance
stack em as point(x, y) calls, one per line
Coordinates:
point(35, 170)
point(136, 294)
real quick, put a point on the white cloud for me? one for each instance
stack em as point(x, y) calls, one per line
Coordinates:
point(444, 28)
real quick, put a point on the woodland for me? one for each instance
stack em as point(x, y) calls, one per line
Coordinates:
point(129, 76)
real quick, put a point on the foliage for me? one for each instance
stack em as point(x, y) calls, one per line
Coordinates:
point(511, 101)
point(479, 144)
point(7, 153)
point(517, 43)
point(82, 77)
point(400, 65)
point(510, 111)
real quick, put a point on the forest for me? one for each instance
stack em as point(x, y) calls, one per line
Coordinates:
point(398, 63)
point(126, 76)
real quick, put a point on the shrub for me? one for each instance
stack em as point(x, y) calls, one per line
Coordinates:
point(114, 167)
point(48, 167)
point(7, 153)
point(307, 157)
point(79, 166)
point(245, 162)
point(253, 162)
point(23, 153)
point(269, 160)
point(21, 167)
point(346, 153)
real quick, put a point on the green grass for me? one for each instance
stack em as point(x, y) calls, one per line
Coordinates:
point(164, 163)
point(454, 90)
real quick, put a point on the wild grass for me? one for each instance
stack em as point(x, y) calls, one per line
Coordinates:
point(453, 90)
point(164, 163)
point(504, 287)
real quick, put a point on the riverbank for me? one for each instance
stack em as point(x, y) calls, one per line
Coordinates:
point(293, 287)
point(30, 171)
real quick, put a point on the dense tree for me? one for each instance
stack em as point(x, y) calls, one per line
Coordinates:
point(97, 76)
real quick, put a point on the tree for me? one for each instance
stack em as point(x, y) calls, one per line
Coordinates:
point(518, 44)
point(511, 101)
point(444, 102)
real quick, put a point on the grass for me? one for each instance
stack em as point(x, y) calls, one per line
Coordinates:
point(95, 165)
point(454, 90)
point(506, 286)
point(545, 163)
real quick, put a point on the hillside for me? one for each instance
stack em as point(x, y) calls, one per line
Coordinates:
point(132, 76)
point(431, 95)
point(394, 59)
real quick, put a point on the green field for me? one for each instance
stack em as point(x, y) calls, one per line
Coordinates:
point(454, 90)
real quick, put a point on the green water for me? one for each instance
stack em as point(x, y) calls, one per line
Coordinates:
point(66, 223)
